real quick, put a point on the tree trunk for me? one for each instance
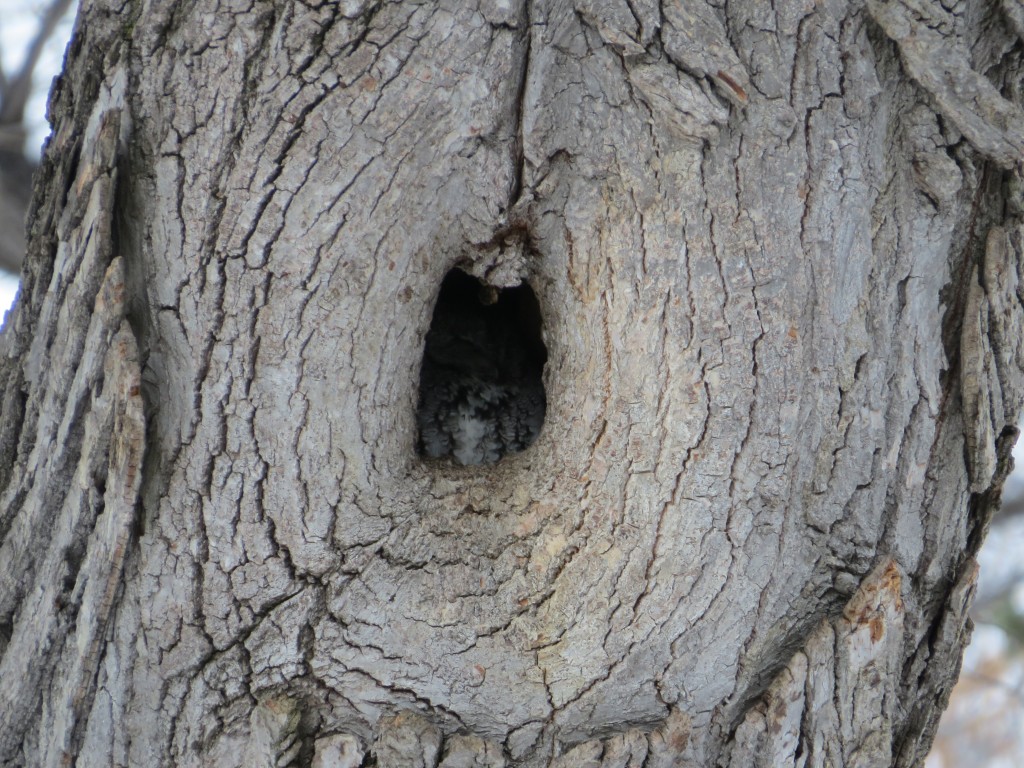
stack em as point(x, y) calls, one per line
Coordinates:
point(777, 254)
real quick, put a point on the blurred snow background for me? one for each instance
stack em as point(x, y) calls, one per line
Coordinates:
point(8, 289)
point(984, 725)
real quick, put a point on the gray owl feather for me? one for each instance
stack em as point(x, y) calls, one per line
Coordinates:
point(481, 394)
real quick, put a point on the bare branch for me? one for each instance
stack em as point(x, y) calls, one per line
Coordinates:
point(19, 86)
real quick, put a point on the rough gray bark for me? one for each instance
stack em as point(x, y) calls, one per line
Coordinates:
point(777, 250)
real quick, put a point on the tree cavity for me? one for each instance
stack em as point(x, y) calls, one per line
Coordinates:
point(481, 393)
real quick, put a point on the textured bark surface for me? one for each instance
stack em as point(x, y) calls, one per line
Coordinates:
point(777, 250)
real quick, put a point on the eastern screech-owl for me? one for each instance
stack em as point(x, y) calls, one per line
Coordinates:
point(481, 394)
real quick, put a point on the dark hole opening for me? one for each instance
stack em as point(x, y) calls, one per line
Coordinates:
point(481, 388)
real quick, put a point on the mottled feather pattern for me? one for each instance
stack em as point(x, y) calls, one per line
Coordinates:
point(478, 422)
point(481, 395)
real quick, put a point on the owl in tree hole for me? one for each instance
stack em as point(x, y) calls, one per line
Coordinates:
point(481, 392)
